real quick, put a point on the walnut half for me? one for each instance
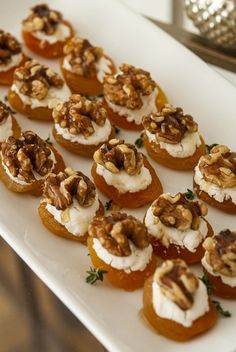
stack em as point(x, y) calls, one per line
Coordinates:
point(82, 56)
point(27, 155)
point(177, 282)
point(4, 111)
point(34, 79)
point(60, 189)
point(219, 167)
point(117, 155)
point(116, 230)
point(176, 211)
point(127, 87)
point(42, 18)
point(221, 252)
point(9, 46)
point(170, 124)
point(78, 113)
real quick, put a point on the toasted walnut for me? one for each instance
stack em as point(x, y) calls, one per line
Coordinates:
point(219, 167)
point(42, 18)
point(60, 189)
point(27, 155)
point(78, 113)
point(176, 211)
point(116, 155)
point(116, 230)
point(177, 282)
point(170, 124)
point(221, 252)
point(82, 56)
point(34, 79)
point(4, 111)
point(127, 88)
point(9, 46)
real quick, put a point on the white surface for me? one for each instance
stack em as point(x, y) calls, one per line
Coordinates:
point(162, 10)
point(111, 314)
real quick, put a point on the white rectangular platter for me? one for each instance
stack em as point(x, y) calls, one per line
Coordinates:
point(110, 314)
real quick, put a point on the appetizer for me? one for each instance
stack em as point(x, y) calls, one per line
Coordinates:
point(119, 244)
point(219, 263)
point(69, 202)
point(84, 67)
point(11, 57)
point(8, 124)
point(176, 303)
point(36, 90)
point(177, 227)
point(81, 125)
point(125, 175)
point(45, 31)
point(215, 179)
point(172, 138)
point(130, 95)
point(25, 162)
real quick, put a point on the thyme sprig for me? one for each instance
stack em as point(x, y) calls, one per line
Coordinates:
point(190, 195)
point(95, 275)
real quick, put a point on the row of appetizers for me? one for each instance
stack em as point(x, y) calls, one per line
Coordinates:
point(120, 171)
point(175, 301)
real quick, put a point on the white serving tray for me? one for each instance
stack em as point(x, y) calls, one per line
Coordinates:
point(110, 314)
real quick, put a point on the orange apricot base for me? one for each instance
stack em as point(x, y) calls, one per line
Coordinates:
point(44, 48)
point(170, 328)
point(40, 113)
point(219, 288)
point(227, 205)
point(6, 77)
point(34, 188)
point(163, 157)
point(175, 251)
point(77, 148)
point(84, 85)
point(122, 121)
point(128, 199)
point(119, 278)
point(15, 128)
point(58, 229)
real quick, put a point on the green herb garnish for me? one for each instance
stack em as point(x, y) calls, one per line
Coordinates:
point(210, 146)
point(139, 141)
point(6, 98)
point(101, 95)
point(95, 275)
point(189, 194)
point(207, 283)
point(108, 204)
point(48, 140)
point(220, 310)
